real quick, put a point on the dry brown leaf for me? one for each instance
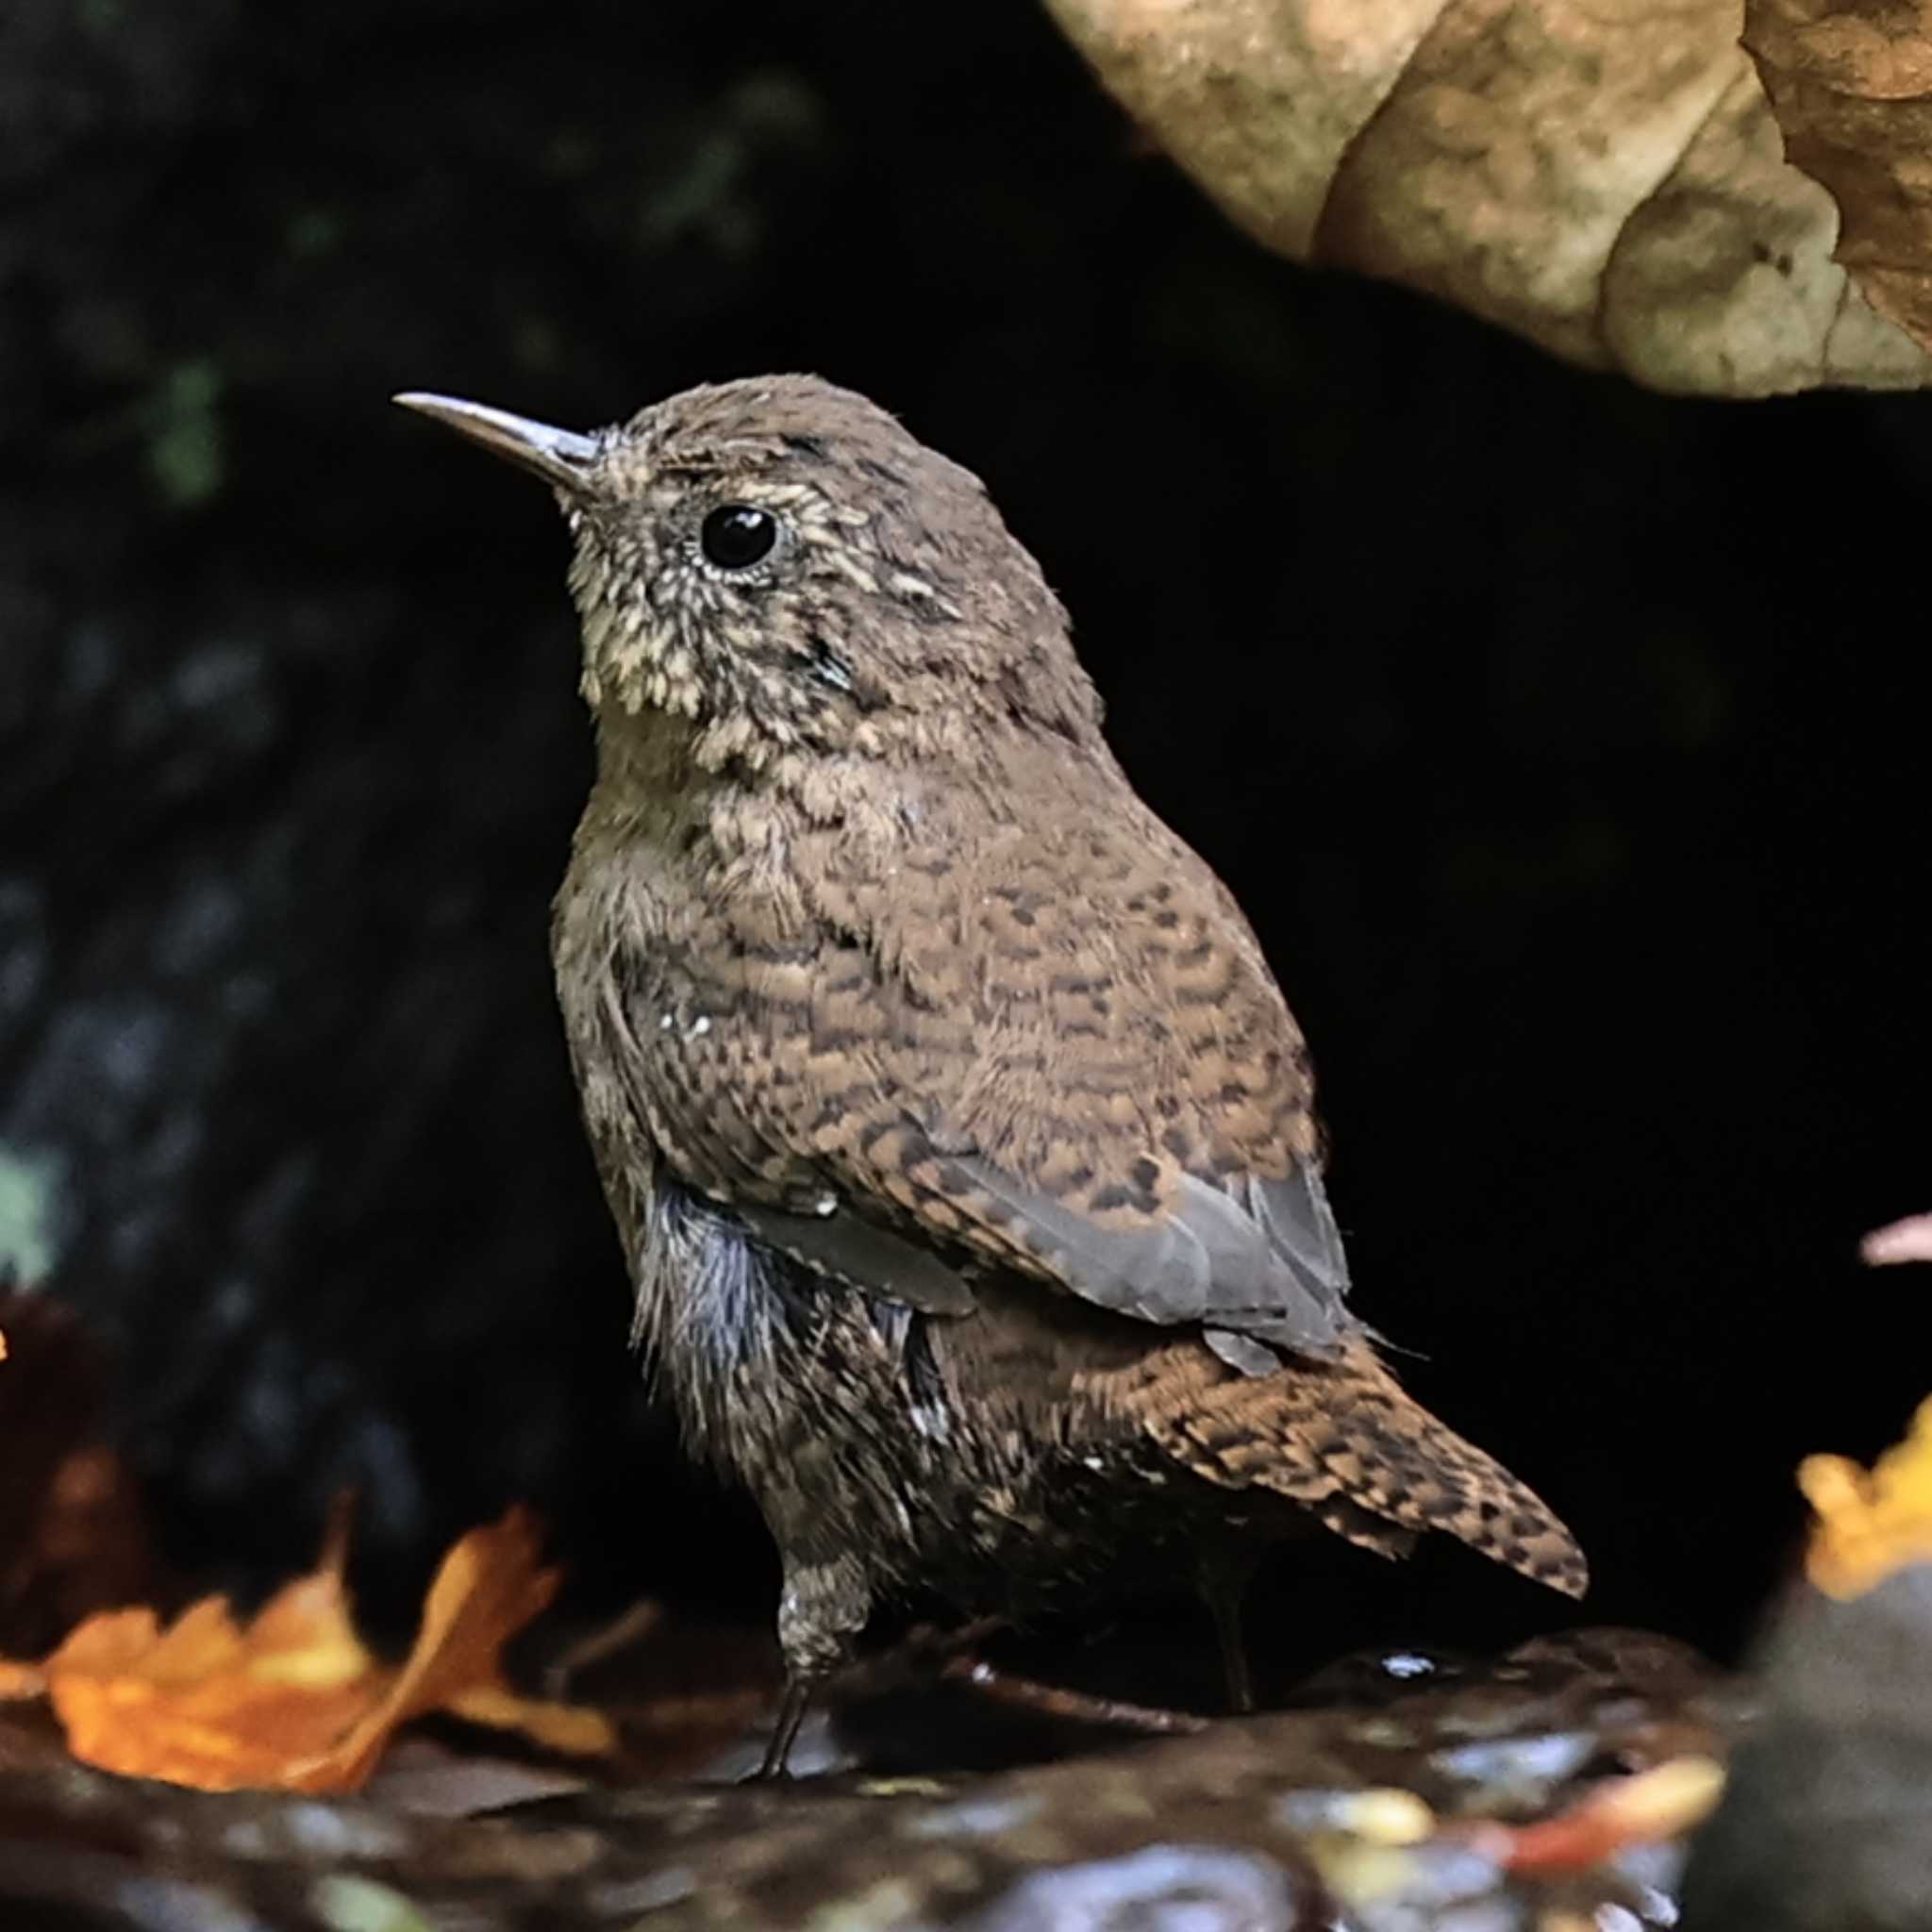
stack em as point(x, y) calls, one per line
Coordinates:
point(1606, 179)
point(1850, 84)
point(294, 1700)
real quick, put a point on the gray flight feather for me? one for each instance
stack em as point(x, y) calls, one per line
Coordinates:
point(1276, 1276)
point(863, 1254)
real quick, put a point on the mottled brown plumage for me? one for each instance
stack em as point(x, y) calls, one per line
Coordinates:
point(960, 1143)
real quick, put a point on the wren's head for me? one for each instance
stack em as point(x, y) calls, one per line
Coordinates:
point(780, 562)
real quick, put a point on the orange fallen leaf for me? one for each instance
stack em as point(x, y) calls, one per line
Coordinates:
point(1870, 1525)
point(572, 1728)
point(294, 1700)
point(1649, 1806)
point(487, 1588)
point(19, 1682)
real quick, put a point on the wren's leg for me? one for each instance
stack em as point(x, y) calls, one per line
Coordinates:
point(791, 1709)
point(1224, 1577)
point(820, 1613)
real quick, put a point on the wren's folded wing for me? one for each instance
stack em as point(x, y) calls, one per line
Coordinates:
point(1263, 1260)
point(1094, 1082)
point(1272, 1270)
point(1208, 1261)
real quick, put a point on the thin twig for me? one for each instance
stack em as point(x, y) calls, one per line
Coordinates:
point(1052, 1700)
point(624, 1632)
point(909, 1661)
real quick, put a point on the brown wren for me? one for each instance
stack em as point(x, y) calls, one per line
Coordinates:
point(960, 1141)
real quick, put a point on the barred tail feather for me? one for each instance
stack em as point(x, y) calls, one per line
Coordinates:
point(1344, 1437)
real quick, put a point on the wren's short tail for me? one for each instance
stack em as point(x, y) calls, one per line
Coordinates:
point(1346, 1439)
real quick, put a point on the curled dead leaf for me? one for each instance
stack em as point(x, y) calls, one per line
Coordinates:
point(1606, 180)
point(1850, 84)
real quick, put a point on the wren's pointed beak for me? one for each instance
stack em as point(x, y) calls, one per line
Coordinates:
point(560, 457)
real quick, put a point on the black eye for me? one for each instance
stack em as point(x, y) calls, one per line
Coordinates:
point(736, 536)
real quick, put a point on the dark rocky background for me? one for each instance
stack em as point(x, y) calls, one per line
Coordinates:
point(1567, 744)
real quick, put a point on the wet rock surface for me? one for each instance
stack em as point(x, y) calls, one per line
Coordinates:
point(1249, 1824)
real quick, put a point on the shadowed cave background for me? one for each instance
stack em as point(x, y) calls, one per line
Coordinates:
point(1554, 735)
